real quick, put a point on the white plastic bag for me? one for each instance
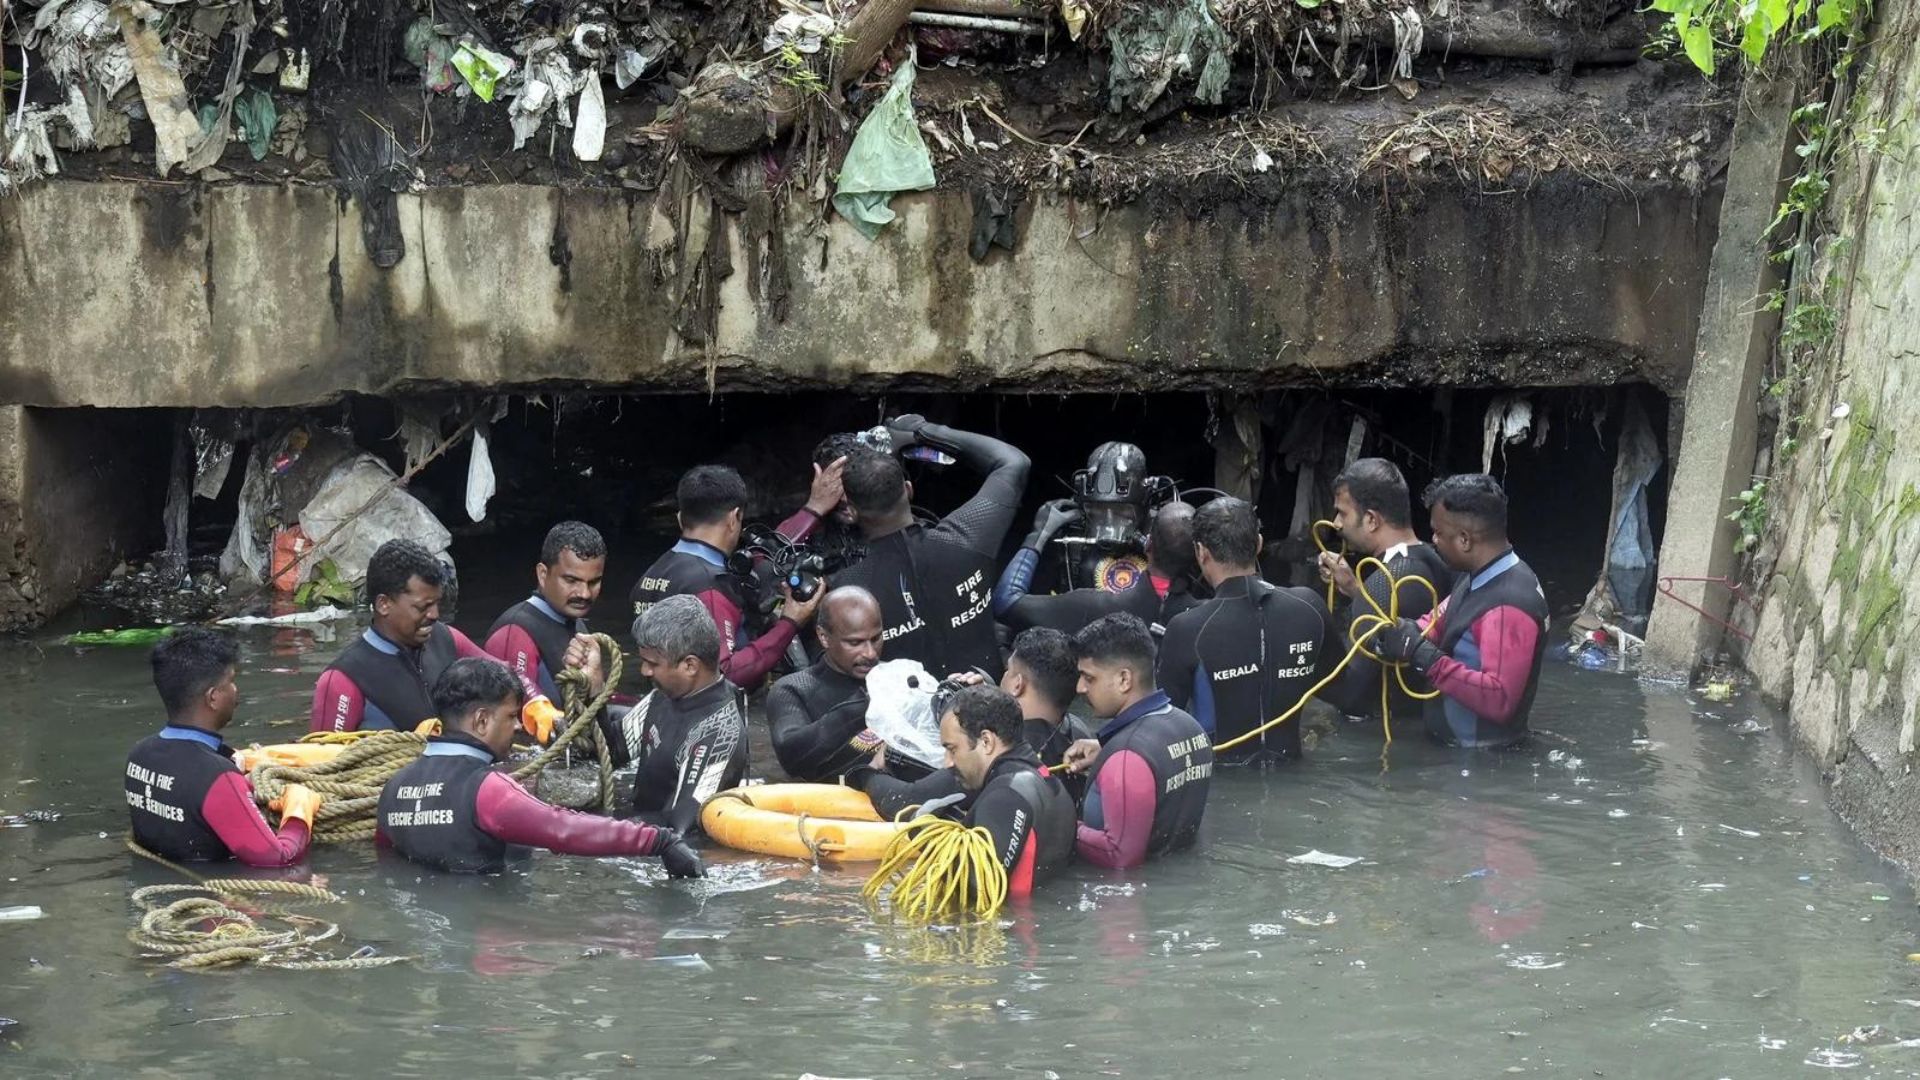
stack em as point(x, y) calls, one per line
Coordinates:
point(900, 710)
point(479, 477)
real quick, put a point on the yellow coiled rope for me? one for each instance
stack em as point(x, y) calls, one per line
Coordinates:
point(940, 869)
point(1362, 630)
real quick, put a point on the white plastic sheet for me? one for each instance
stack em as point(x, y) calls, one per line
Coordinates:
point(480, 485)
point(395, 515)
point(900, 710)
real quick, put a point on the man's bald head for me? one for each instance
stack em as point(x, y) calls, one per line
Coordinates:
point(849, 630)
point(1170, 545)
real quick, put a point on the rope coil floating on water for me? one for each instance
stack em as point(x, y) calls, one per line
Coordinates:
point(939, 868)
point(178, 928)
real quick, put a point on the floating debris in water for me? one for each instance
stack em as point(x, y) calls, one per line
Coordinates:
point(1266, 929)
point(22, 913)
point(1771, 1044)
point(1535, 962)
point(689, 962)
point(1616, 812)
point(1748, 833)
point(30, 817)
point(1713, 886)
point(1308, 918)
point(694, 933)
point(1316, 857)
point(1835, 1059)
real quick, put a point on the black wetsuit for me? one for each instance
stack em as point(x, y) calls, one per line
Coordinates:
point(935, 583)
point(1069, 612)
point(685, 750)
point(891, 794)
point(1243, 658)
point(818, 719)
point(1030, 817)
point(1357, 690)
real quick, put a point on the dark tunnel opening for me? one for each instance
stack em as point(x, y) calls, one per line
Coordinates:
point(613, 461)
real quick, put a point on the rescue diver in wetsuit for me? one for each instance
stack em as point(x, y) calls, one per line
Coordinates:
point(1171, 572)
point(187, 798)
point(934, 583)
point(818, 715)
point(451, 809)
point(1151, 764)
point(712, 504)
point(1042, 677)
point(1028, 814)
point(1247, 655)
point(384, 680)
point(687, 739)
point(1374, 512)
point(1483, 648)
point(532, 636)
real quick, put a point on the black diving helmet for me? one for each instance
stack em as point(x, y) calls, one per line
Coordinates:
point(1114, 493)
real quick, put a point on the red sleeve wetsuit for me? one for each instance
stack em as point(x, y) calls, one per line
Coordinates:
point(1484, 650)
point(1030, 817)
point(189, 802)
point(377, 684)
point(451, 810)
point(1149, 785)
point(697, 569)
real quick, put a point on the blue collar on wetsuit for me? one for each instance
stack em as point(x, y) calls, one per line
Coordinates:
point(458, 744)
point(374, 639)
point(1495, 568)
point(703, 551)
point(1155, 702)
point(540, 604)
point(186, 734)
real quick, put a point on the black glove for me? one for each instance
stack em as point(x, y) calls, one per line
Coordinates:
point(1053, 516)
point(680, 859)
point(1403, 643)
point(905, 430)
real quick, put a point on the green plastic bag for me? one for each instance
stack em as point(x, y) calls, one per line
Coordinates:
point(258, 117)
point(482, 68)
point(887, 156)
point(132, 635)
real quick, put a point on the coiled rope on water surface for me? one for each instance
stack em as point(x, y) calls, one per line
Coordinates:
point(214, 925)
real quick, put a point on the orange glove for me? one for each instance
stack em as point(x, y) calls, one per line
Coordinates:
point(297, 801)
point(539, 717)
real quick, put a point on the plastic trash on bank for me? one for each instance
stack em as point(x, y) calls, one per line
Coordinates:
point(887, 156)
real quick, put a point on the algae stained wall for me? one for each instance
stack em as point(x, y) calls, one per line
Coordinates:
point(1839, 605)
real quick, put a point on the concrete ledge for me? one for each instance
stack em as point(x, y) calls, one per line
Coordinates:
point(250, 295)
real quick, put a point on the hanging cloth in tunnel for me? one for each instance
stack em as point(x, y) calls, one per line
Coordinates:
point(1509, 418)
point(480, 484)
point(1630, 551)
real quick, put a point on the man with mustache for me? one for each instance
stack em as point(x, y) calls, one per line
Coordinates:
point(532, 636)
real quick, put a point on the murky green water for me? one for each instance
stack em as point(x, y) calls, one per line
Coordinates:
point(1656, 889)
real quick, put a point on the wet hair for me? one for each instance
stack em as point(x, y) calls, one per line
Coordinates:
point(1229, 530)
point(578, 537)
point(395, 565)
point(1120, 638)
point(1474, 496)
point(1171, 542)
point(983, 708)
point(844, 593)
point(1047, 656)
point(708, 493)
point(1376, 484)
point(836, 446)
point(188, 663)
point(676, 627)
point(874, 481)
point(470, 682)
